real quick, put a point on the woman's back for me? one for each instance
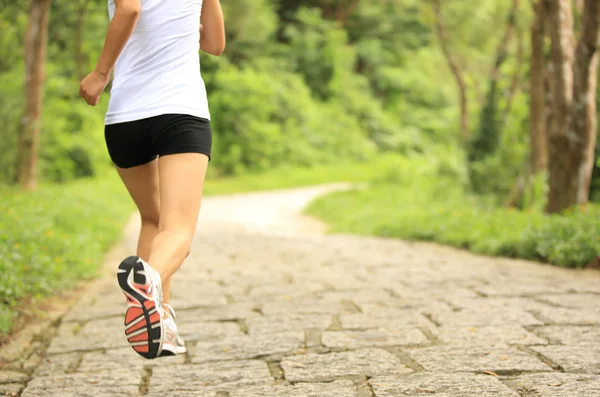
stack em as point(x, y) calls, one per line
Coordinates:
point(158, 71)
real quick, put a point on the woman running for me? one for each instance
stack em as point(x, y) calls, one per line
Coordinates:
point(158, 135)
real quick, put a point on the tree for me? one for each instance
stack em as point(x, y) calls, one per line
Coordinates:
point(538, 145)
point(573, 131)
point(35, 63)
point(457, 72)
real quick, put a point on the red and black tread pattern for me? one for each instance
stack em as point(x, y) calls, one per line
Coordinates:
point(143, 323)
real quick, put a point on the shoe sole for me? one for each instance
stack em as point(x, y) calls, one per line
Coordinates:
point(143, 323)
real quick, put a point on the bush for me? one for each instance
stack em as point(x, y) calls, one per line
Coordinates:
point(411, 199)
point(261, 122)
point(55, 236)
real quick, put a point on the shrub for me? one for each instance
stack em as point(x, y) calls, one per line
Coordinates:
point(54, 236)
point(412, 199)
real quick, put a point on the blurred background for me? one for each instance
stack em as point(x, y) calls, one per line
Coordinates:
point(457, 118)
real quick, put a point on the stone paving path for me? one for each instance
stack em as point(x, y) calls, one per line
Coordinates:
point(269, 306)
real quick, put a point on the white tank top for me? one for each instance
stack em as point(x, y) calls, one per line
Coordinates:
point(158, 71)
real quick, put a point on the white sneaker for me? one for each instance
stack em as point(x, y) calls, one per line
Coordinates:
point(144, 319)
point(172, 342)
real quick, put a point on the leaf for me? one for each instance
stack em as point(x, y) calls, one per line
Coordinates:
point(490, 373)
point(421, 390)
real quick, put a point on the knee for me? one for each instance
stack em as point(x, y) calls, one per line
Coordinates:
point(150, 219)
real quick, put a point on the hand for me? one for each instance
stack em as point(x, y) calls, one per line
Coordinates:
point(92, 86)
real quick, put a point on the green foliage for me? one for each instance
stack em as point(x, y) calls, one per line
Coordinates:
point(55, 236)
point(251, 28)
point(413, 200)
point(278, 122)
point(286, 176)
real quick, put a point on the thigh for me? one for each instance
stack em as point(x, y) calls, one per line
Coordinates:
point(181, 182)
point(143, 185)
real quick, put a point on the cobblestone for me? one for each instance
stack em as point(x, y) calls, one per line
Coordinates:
point(324, 367)
point(440, 385)
point(269, 306)
point(557, 384)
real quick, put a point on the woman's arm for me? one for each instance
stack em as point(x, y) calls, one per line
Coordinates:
point(119, 31)
point(212, 28)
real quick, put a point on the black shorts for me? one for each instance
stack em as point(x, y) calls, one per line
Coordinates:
point(139, 142)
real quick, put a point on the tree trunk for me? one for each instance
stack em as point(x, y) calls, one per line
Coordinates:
point(456, 71)
point(573, 135)
point(538, 147)
point(35, 65)
point(79, 55)
point(515, 84)
point(583, 113)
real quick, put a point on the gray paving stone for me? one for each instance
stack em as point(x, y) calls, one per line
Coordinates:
point(101, 334)
point(460, 358)
point(109, 308)
point(286, 290)
point(11, 389)
point(333, 389)
point(373, 338)
point(231, 312)
point(120, 382)
point(570, 335)
point(288, 322)
point(248, 346)
point(7, 376)
point(186, 393)
point(559, 315)
point(513, 286)
point(579, 358)
point(217, 376)
point(122, 358)
point(488, 336)
point(304, 306)
point(326, 367)
point(556, 384)
point(589, 301)
point(206, 331)
point(499, 302)
point(360, 297)
point(58, 364)
point(440, 385)
point(481, 317)
point(379, 317)
point(438, 291)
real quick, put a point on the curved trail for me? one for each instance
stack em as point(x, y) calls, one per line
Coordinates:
point(270, 306)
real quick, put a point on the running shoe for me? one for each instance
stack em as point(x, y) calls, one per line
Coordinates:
point(172, 342)
point(144, 319)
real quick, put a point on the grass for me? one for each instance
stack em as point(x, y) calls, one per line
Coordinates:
point(55, 236)
point(290, 177)
point(415, 202)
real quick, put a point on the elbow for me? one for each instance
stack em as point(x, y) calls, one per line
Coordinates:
point(217, 49)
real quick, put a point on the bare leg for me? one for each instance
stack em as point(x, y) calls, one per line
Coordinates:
point(181, 181)
point(142, 184)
